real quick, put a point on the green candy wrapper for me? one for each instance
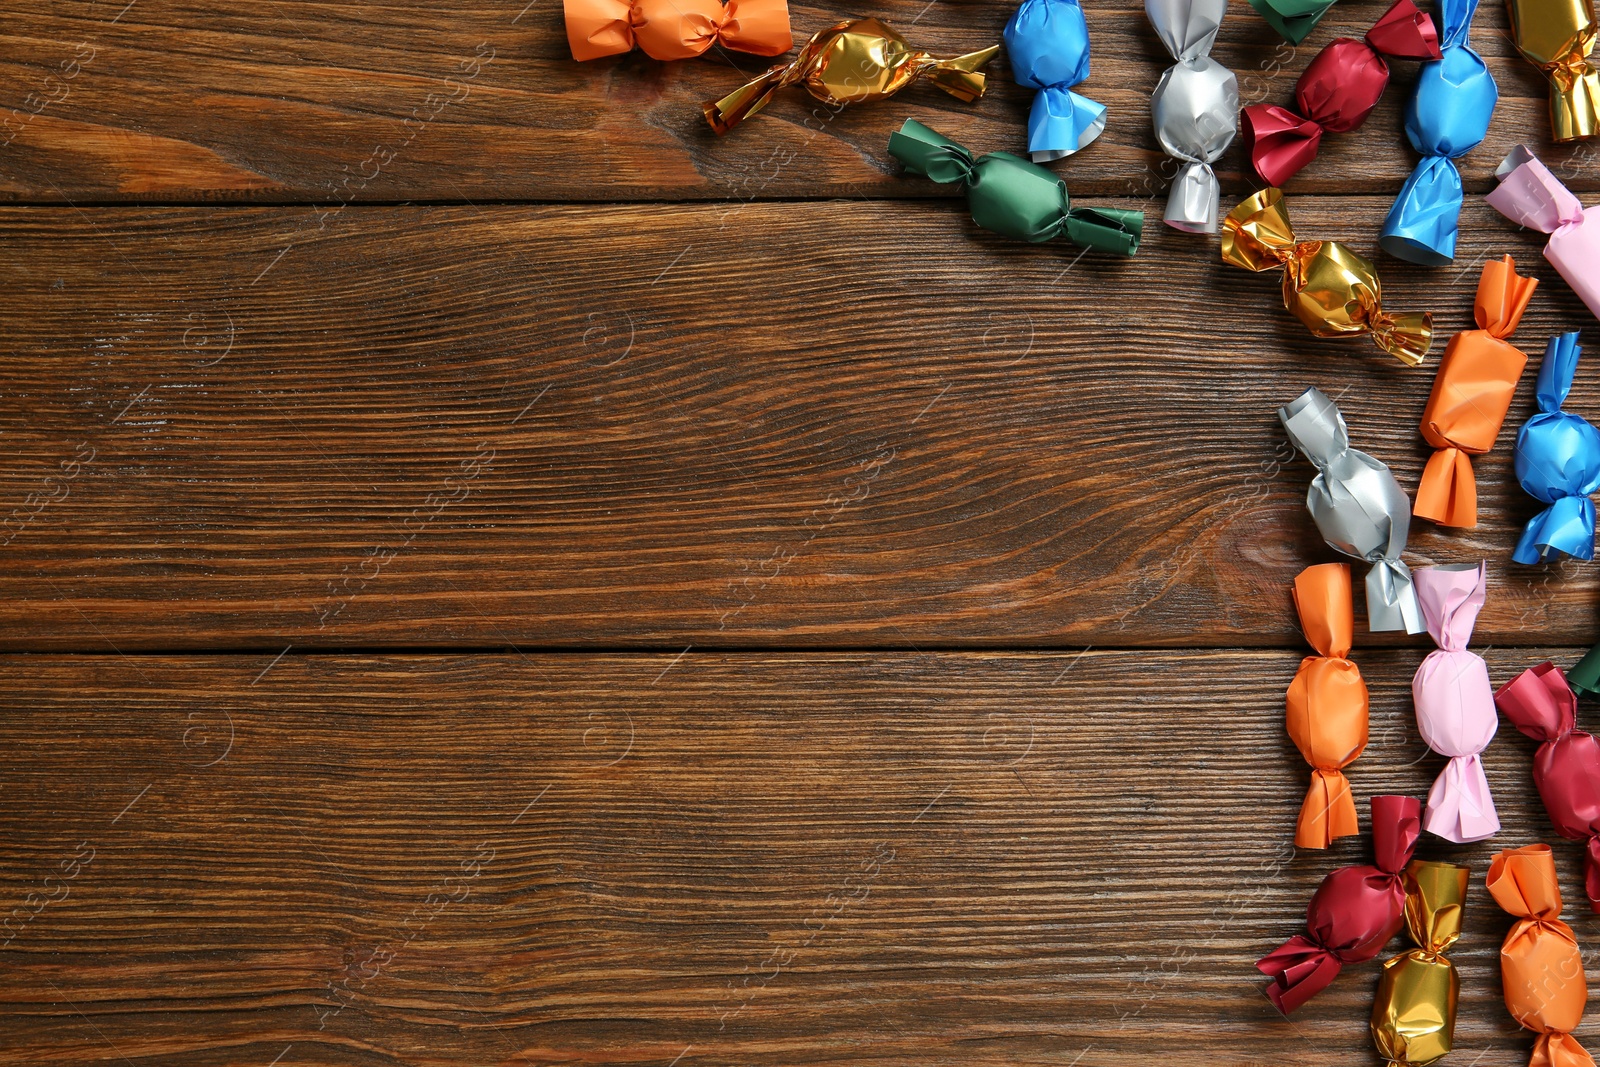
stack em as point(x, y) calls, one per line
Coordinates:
point(1584, 679)
point(1013, 197)
point(1293, 19)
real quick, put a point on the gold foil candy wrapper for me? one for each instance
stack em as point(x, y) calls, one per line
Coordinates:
point(1558, 37)
point(1414, 1012)
point(1327, 286)
point(850, 62)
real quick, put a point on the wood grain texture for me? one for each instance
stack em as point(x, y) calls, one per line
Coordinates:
point(327, 102)
point(811, 423)
point(731, 858)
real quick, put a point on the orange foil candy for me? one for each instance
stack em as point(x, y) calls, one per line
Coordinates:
point(1541, 968)
point(1471, 395)
point(676, 29)
point(1326, 709)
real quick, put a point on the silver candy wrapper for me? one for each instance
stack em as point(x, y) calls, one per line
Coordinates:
point(1195, 107)
point(1358, 507)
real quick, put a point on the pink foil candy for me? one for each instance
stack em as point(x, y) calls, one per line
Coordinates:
point(1529, 195)
point(1455, 704)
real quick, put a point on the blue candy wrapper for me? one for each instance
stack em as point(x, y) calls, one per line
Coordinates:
point(1048, 42)
point(1447, 116)
point(1558, 462)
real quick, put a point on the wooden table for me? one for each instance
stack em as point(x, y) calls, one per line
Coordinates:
point(496, 575)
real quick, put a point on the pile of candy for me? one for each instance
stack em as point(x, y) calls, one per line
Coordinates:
point(1357, 504)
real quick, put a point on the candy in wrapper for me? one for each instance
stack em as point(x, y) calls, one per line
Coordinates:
point(1447, 116)
point(1353, 913)
point(676, 29)
point(1195, 107)
point(1455, 704)
point(1013, 197)
point(1558, 36)
point(1335, 94)
point(850, 62)
point(1414, 1012)
point(1358, 507)
point(1471, 395)
point(1541, 968)
point(1326, 708)
point(1048, 42)
point(1558, 463)
point(1329, 288)
point(1529, 195)
point(1566, 768)
point(1293, 19)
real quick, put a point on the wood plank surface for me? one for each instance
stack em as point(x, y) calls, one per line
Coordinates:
point(329, 102)
point(655, 425)
point(729, 858)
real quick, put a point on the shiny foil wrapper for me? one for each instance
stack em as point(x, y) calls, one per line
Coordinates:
point(851, 62)
point(1048, 42)
point(1195, 108)
point(1335, 94)
point(1328, 287)
point(676, 29)
point(1447, 116)
point(1414, 1011)
point(1471, 395)
point(1529, 195)
point(1558, 37)
point(1541, 967)
point(1010, 196)
point(1325, 711)
point(1358, 507)
point(1293, 19)
point(1353, 913)
point(1585, 676)
point(1558, 464)
point(1455, 703)
point(1566, 767)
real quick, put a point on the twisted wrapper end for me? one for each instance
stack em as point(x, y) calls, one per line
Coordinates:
point(1557, 1049)
point(723, 115)
point(1406, 336)
point(1460, 806)
point(1192, 201)
point(1539, 703)
point(1278, 141)
point(1566, 526)
point(1502, 297)
point(1108, 229)
point(1574, 100)
point(1448, 491)
point(931, 154)
point(1392, 598)
point(1300, 969)
point(961, 76)
point(1062, 122)
point(1315, 426)
point(1257, 236)
point(1585, 677)
point(1328, 811)
point(1293, 19)
point(1405, 32)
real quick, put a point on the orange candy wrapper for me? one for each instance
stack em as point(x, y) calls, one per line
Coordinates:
point(1541, 968)
point(1471, 394)
point(676, 29)
point(1326, 707)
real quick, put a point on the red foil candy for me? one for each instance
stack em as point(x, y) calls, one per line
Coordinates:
point(1335, 94)
point(1353, 913)
point(1566, 768)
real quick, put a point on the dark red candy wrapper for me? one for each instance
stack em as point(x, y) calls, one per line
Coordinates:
point(1335, 94)
point(1566, 768)
point(1353, 913)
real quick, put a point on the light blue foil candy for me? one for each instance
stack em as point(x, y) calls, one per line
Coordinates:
point(1447, 116)
point(1558, 462)
point(1048, 42)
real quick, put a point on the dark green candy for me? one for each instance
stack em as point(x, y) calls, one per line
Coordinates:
point(1585, 677)
point(1013, 197)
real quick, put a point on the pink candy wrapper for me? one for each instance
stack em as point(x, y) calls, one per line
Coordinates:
point(1455, 704)
point(1531, 196)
